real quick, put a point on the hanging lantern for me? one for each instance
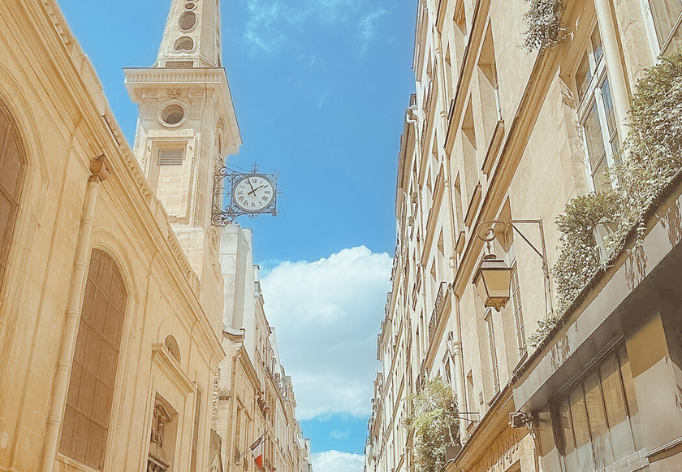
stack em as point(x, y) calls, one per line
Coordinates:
point(492, 280)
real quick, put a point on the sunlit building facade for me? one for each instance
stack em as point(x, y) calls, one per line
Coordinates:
point(254, 396)
point(498, 137)
point(112, 292)
point(110, 322)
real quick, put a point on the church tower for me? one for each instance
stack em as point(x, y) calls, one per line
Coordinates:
point(186, 128)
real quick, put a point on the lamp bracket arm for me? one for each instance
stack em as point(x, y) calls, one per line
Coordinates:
point(486, 228)
point(526, 239)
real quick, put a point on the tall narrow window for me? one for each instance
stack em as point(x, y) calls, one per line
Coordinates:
point(516, 299)
point(493, 351)
point(596, 113)
point(195, 433)
point(11, 173)
point(469, 157)
point(91, 388)
point(666, 16)
point(488, 87)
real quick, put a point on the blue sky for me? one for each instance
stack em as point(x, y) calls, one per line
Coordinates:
point(320, 88)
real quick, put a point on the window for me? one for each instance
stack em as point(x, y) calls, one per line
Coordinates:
point(598, 420)
point(596, 113)
point(11, 172)
point(195, 433)
point(469, 152)
point(489, 90)
point(516, 299)
point(493, 351)
point(172, 114)
point(665, 16)
point(93, 375)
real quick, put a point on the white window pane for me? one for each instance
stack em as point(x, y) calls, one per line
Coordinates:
point(593, 136)
point(600, 177)
point(581, 429)
point(570, 453)
point(601, 442)
point(608, 106)
point(616, 410)
point(630, 398)
point(583, 76)
point(665, 14)
point(597, 48)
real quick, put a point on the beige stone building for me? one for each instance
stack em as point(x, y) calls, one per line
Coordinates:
point(110, 323)
point(111, 288)
point(500, 138)
point(255, 397)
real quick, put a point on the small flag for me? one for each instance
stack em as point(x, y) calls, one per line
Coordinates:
point(257, 450)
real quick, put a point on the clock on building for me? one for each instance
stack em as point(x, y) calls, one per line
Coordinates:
point(239, 193)
point(253, 193)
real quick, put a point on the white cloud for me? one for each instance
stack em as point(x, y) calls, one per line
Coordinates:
point(262, 32)
point(269, 19)
point(367, 27)
point(335, 461)
point(327, 315)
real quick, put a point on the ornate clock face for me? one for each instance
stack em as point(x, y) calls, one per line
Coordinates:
point(253, 193)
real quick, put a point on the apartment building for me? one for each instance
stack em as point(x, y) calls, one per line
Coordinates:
point(255, 402)
point(502, 133)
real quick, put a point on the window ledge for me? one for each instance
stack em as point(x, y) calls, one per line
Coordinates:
point(171, 368)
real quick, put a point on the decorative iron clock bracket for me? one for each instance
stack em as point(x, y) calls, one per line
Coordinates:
point(225, 207)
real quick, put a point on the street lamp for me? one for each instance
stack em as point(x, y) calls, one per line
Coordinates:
point(492, 281)
point(493, 277)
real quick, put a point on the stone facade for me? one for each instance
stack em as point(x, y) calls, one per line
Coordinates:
point(498, 137)
point(111, 289)
point(255, 396)
point(108, 346)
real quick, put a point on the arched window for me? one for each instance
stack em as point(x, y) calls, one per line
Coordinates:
point(172, 346)
point(91, 390)
point(11, 172)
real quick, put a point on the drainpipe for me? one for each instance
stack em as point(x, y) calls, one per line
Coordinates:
point(100, 172)
point(614, 65)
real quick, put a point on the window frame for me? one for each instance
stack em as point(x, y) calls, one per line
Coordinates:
point(593, 95)
point(101, 296)
point(492, 349)
point(658, 49)
point(14, 199)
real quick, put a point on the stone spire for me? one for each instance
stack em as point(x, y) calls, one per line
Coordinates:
point(186, 127)
point(192, 34)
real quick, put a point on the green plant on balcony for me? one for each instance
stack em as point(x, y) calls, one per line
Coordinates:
point(543, 22)
point(651, 163)
point(434, 421)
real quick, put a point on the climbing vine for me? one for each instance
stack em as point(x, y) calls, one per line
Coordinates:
point(434, 421)
point(652, 159)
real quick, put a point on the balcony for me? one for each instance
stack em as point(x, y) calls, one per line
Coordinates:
point(437, 310)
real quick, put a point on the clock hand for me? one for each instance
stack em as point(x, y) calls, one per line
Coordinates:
point(250, 184)
point(254, 190)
